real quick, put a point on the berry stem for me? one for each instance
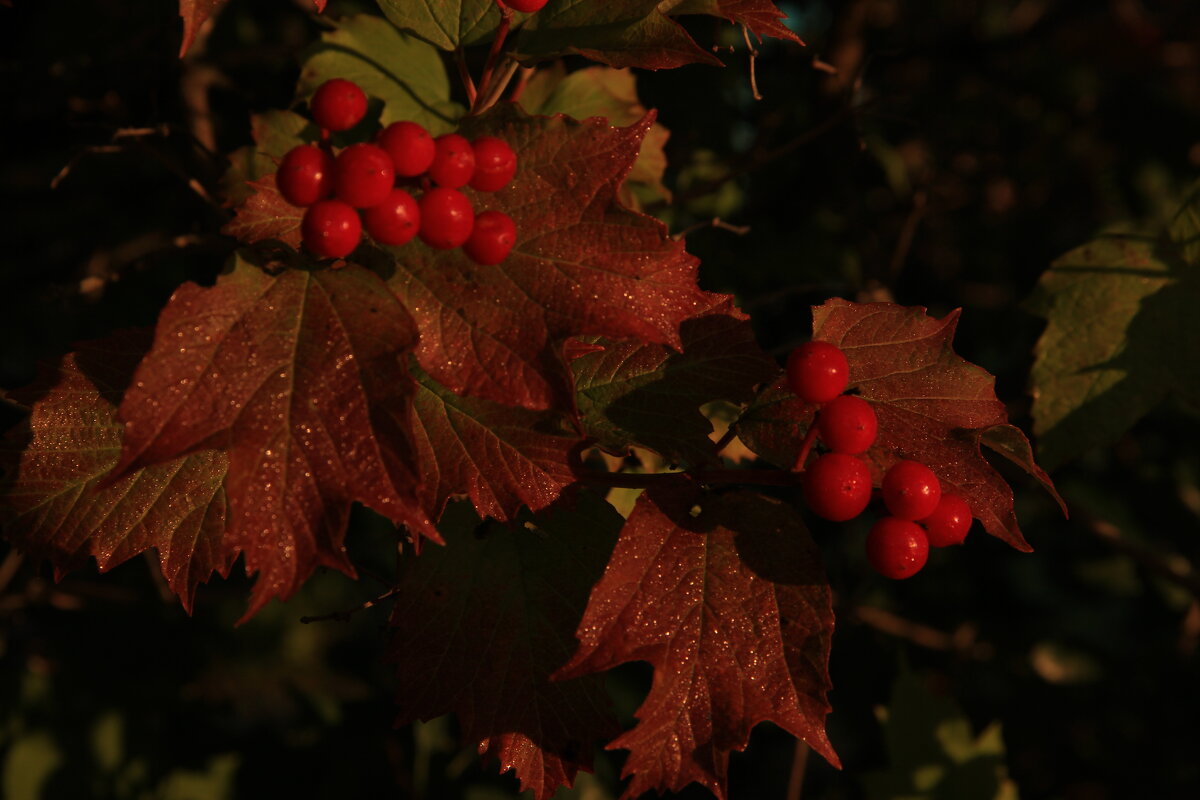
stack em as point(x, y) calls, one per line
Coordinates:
point(464, 75)
point(488, 76)
point(806, 446)
point(523, 76)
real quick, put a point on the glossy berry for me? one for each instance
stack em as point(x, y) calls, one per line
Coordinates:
point(817, 372)
point(410, 147)
point(495, 164)
point(364, 175)
point(305, 175)
point(837, 487)
point(492, 238)
point(446, 218)
point(338, 105)
point(847, 424)
point(453, 161)
point(330, 229)
point(911, 490)
point(528, 6)
point(949, 522)
point(395, 221)
point(897, 548)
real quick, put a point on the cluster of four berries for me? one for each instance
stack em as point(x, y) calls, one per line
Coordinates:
point(837, 485)
point(362, 179)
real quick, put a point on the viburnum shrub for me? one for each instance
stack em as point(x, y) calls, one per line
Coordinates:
point(438, 387)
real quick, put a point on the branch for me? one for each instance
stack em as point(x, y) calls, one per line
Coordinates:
point(624, 480)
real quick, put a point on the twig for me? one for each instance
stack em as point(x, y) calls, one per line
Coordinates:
point(961, 641)
point(715, 222)
point(487, 77)
point(753, 56)
point(344, 616)
point(523, 76)
point(625, 480)
point(1177, 569)
point(464, 75)
point(799, 767)
point(727, 437)
point(908, 233)
point(499, 82)
point(810, 436)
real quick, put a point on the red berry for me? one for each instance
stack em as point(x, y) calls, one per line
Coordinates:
point(305, 175)
point(492, 239)
point(338, 105)
point(495, 164)
point(395, 221)
point(837, 486)
point(897, 548)
point(453, 161)
point(911, 490)
point(446, 218)
point(330, 229)
point(528, 6)
point(949, 522)
point(847, 424)
point(364, 176)
point(817, 372)
point(410, 146)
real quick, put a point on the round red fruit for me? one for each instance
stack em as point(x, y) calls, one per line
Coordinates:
point(949, 522)
point(338, 105)
point(447, 218)
point(897, 548)
point(910, 490)
point(364, 175)
point(495, 164)
point(330, 229)
point(410, 147)
point(528, 6)
point(837, 487)
point(847, 424)
point(817, 372)
point(305, 175)
point(395, 221)
point(453, 161)
point(492, 238)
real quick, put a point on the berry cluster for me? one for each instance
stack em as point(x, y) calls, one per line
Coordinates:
point(357, 189)
point(837, 485)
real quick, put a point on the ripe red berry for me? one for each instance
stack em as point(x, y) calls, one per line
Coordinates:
point(492, 238)
point(453, 161)
point(338, 105)
point(447, 218)
point(911, 490)
point(528, 6)
point(410, 147)
point(395, 221)
point(305, 175)
point(897, 548)
point(847, 424)
point(495, 164)
point(837, 487)
point(330, 229)
point(817, 372)
point(364, 175)
point(949, 522)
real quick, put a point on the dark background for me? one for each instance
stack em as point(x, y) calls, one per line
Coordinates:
point(958, 149)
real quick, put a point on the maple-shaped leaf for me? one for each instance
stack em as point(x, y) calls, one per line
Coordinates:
point(1120, 334)
point(612, 94)
point(481, 623)
point(619, 33)
point(499, 456)
point(300, 377)
point(53, 463)
point(196, 12)
point(582, 265)
point(933, 406)
point(762, 17)
point(633, 393)
point(726, 597)
point(404, 72)
point(266, 215)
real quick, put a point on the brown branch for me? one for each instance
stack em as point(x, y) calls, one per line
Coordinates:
point(464, 74)
point(753, 55)
point(344, 616)
point(487, 77)
point(799, 767)
point(962, 641)
point(523, 77)
point(715, 222)
point(1176, 569)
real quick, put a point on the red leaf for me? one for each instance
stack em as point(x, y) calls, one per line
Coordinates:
point(725, 596)
point(300, 378)
point(582, 265)
point(54, 461)
point(196, 12)
point(933, 406)
point(265, 215)
point(501, 457)
point(481, 623)
point(760, 16)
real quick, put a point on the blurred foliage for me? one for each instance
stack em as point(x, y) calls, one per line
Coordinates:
point(934, 152)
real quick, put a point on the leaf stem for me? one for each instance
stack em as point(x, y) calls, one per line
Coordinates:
point(464, 75)
point(488, 76)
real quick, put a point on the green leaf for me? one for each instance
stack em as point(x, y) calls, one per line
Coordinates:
point(275, 132)
point(404, 72)
point(445, 23)
point(1120, 335)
